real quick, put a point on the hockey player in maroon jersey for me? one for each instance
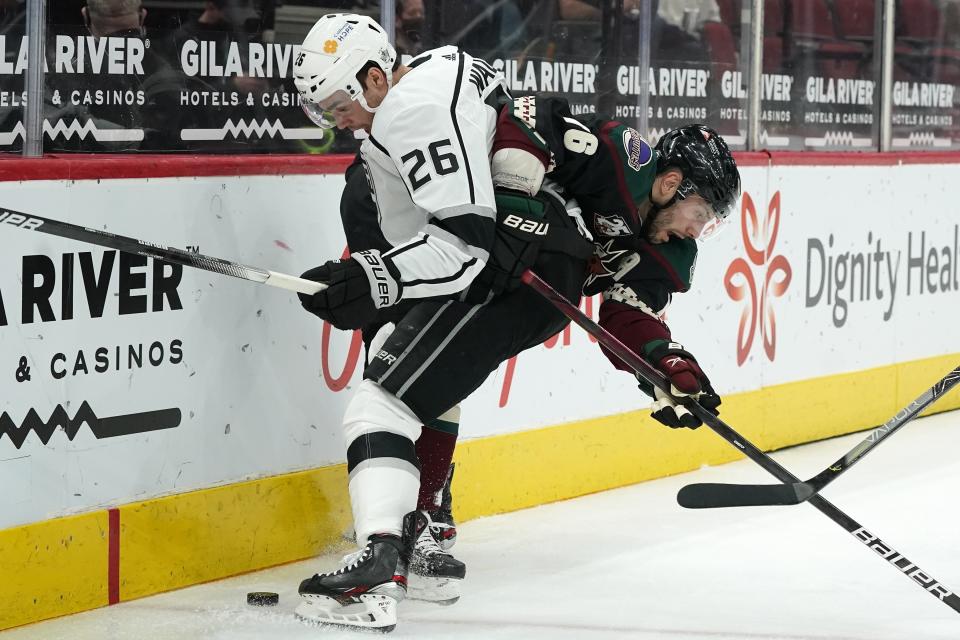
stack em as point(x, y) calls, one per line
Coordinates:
point(646, 209)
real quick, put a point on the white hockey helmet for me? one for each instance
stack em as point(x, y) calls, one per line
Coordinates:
point(338, 46)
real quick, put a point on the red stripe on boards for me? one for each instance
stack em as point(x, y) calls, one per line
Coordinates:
point(88, 166)
point(14, 167)
point(113, 557)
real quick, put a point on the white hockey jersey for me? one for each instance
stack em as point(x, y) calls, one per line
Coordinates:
point(428, 163)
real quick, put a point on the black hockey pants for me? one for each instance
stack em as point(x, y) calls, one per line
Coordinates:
point(442, 350)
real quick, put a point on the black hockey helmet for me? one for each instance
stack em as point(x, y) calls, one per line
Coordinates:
point(707, 164)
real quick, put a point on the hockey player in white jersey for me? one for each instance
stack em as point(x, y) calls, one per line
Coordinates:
point(452, 273)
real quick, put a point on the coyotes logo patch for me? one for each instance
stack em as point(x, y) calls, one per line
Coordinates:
point(638, 151)
point(612, 225)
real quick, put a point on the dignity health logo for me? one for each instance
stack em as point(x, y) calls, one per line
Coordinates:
point(758, 279)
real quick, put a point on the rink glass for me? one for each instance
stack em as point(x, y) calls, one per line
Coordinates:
point(182, 77)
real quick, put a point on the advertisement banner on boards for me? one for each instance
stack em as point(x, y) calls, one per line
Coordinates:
point(829, 269)
point(126, 379)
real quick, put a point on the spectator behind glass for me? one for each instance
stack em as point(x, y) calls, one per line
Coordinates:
point(221, 21)
point(108, 100)
point(668, 43)
point(484, 28)
point(410, 19)
point(13, 17)
point(950, 21)
point(116, 18)
point(221, 24)
point(689, 15)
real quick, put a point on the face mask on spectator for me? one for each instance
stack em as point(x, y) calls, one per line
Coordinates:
point(413, 29)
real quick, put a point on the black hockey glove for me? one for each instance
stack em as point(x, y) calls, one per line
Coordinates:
point(357, 287)
point(686, 379)
point(516, 244)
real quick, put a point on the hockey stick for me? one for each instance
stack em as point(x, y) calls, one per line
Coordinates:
point(167, 254)
point(710, 494)
point(654, 377)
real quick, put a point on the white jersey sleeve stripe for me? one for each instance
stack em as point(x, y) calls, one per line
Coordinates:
point(436, 267)
point(455, 240)
point(464, 209)
point(456, 127)
point(419, 240)
point(449, 278)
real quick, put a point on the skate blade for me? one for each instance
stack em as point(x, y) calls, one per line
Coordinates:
point(441, 591)
point(371, 612)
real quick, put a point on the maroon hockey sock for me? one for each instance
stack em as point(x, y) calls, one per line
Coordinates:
point(435, 450)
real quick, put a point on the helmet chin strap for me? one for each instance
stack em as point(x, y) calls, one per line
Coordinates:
point(683, 190)
point(363, 100)
point(652, 215)
point(657, 207)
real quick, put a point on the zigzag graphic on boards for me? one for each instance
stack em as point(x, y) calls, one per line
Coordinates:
point(838, 139)
point(255, 128)
point(109, 427)
point(74, 128)
point(922, 139)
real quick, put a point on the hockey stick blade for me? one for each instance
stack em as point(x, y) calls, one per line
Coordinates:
point(712, 495)
point(172, 255)
point(872, 541)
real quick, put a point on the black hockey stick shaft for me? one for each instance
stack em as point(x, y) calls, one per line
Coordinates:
point(712, 494)
point(654, 377)
point(167, 254)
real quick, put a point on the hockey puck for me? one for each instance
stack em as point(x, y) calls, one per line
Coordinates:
point(263, 598)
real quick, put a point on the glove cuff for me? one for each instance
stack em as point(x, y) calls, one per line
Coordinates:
point(655, 350)
point(646, 387)
point(384, 286)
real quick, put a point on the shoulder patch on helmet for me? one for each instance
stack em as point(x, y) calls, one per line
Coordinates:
point(639, 153)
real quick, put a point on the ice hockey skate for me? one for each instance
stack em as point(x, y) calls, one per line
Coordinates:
point(435, 575)
point(443, 528)
point(363, 594)
point(442, 525)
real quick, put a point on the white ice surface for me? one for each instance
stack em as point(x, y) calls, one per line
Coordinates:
point(631, 563)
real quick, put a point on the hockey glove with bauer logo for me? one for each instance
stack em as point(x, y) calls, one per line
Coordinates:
point(357, 287)
point(648, 335)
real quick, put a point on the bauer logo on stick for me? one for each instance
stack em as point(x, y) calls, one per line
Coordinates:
point(19, 220)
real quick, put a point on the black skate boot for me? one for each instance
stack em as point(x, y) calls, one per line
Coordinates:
point(364, 592)
point(435, 575)
point(442, 525)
